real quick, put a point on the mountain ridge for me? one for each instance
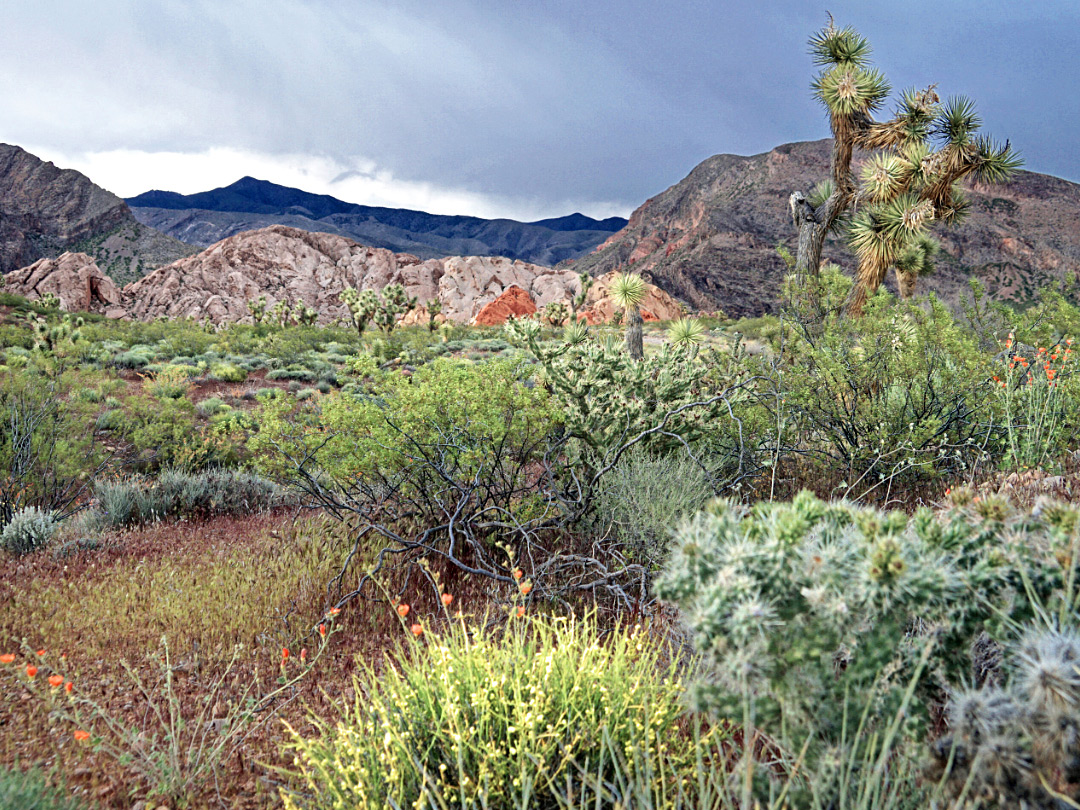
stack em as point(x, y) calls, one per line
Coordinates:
point(207, 217)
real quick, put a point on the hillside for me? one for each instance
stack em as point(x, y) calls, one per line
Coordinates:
point(45, 211)
point(208, 217)
point(711, 238)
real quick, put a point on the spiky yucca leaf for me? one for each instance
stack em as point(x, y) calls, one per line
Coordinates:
point(872, 240)
point(576, 332)
point(918, 257)
point(686, 332)
point(957, 121)
point(839, 46)
point(628, 290)
point(846, 90)
point(955, 206)
point(883, 176)
point(995, 162)
point(820, 193)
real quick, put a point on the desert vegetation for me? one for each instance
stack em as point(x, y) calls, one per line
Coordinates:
point(805, 560)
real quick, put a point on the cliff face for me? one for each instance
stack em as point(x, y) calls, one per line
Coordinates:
point(46, 211)
point(711, 238)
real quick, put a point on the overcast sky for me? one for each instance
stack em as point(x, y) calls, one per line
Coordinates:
point(520, 108)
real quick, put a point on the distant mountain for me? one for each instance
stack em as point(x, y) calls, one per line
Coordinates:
point(711, 238)
point(210, 216)
point(46, 211)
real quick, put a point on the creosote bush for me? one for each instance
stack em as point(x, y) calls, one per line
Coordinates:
point(467, 718)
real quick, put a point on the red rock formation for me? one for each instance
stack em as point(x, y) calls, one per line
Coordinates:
point(514, 302)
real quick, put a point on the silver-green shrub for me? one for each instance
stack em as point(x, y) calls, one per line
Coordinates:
point(28, 530)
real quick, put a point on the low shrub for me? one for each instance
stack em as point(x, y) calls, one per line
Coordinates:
point(227, 372)
point(299, 374)
point(210, 406)
point(470, 718)
point(29, 529)
point(32, 791)
point(131, 360)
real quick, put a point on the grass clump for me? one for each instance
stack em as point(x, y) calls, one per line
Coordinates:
point(476, 719)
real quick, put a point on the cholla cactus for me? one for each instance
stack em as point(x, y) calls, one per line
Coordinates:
point(779, 594)
point(1018, 746)
point(29, 529)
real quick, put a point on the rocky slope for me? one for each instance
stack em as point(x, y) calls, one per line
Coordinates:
point(45, 211)
point(711, 238)
point(295, 266)
point(248, 204)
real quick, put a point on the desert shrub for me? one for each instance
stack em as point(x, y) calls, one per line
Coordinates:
point(131, 360)
point(899, 395)
point(86, 395)
point(170, 382)
point(210, 406)
point(644, 496)
point(166, 431)
point(31, 791)
point(112, 419)
point(297, 373)
point(306, 393)
point(472, 719)
point(175, 493)
point(28, 530)
point(227, 372)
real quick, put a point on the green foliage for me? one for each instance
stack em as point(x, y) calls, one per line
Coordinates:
point(686, 332)
point(31, 791)
point(227, 372)
point(28, 530)
point(170, 382)
point(469, 719)
point(900, 395)
point(351, 435)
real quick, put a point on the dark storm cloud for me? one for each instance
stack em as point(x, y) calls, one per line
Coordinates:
point(549, 102)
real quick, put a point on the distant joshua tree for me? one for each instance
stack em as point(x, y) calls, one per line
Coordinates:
point(911, 180)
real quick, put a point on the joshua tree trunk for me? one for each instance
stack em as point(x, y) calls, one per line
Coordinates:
point(906, 280)
point(633, 333)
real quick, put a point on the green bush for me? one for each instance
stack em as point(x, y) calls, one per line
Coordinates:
point(227, 372)
point(131, 360)
point(31, 791)
point(210, 406)
point(111, 419)
point(28, 530)
point(469, 719)
point(298, 374)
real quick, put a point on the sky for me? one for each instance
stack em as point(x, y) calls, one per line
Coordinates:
point(516, 108)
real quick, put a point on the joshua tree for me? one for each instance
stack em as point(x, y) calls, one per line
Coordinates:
point(910, 181)
point(628, 291)
point(362, 306)
point(257, 309)
point(433, 307)
point(395, 301)
point(556, 313)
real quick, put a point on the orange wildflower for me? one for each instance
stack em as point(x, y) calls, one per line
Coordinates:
point(417, 630)
point(284, 653)
point(518, 573)
point(31, 670)
point(7, 658)
point(41, 652)
point(447, 599)
point(403, 610)
point(322, 630)
point(521, 611)
point(525, 588)
point(334, 611)
point(56, 681)
point(303, 655)
point(68, 687)
point(81, 736)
